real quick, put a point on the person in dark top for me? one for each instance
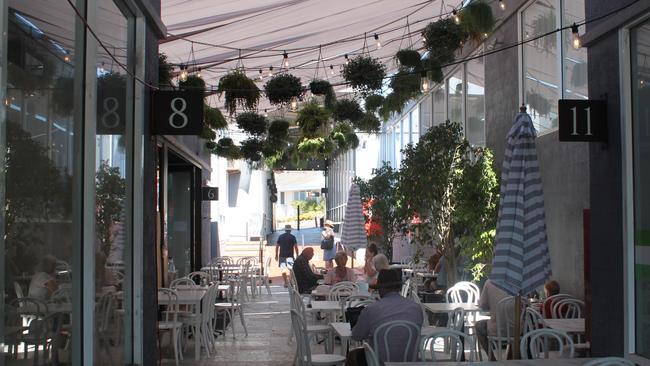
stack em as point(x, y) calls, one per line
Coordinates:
point(286, 246)
point(306, 279)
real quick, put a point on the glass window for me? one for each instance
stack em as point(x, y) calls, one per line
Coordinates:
point(455, 97)
point(406, 131)
point(475, 126)
point(439, 108)
point(415, 125)
point(640, 41)
point(575, 61)
point(38, 235)
point(398, 144)
point(114, 118)
point(424, 117)
point(540, 64)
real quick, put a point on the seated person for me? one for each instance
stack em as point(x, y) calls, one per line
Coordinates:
point(490, 297)
point(340, 272)
point(379, 262)
point(306, 279)
point(369, 267)
point(391, 306)
point(44, 283)
point(551, 288)
point(432, 263)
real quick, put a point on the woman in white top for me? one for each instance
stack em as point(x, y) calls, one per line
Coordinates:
point(340, 273)
point(43, 283)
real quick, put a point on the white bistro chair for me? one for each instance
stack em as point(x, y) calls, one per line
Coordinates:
point(536, 342)
point(304, 356)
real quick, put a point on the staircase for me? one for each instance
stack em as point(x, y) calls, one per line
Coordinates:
point(239, 249)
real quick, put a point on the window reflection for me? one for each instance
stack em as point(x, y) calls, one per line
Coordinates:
point(455, 97)
point(475, 125)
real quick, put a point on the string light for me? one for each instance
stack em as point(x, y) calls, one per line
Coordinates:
point(377, 39)
point(66, 58)
point(502, 5)
point(183, 74)
point(271, 71)
point(266, 114)
point(261, 77)
point(576, 37)
point(198, 73)
point(294, 103)
point(331, 69)
point(347, 59)
point(285, 60)
point(456, 17)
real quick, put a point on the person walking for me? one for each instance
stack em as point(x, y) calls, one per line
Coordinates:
point(327, 243)
point(284, 249)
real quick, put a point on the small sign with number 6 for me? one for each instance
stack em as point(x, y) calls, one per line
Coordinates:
point(177, 112)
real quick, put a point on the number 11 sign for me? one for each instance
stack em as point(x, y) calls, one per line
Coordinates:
point(177, 112)
point(582, 120)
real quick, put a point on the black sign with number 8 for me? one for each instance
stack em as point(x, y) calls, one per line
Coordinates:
point(111, 111)
point(177, 112)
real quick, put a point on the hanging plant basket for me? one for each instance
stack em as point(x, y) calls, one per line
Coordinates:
point(226, 148)
point(477, 20)
point(394, 103)
point(373, 102)
point(208, 134)
point(406, 83)
point(252, 123)
point(408, 58)
point(279, 130)
point(433, 70)
point(251, 149)
point(347, 110)
point(164, 71)
point(344, 136)
point(282, 88)
point(238, 90)
point(320, 87)
point(442, 38)
point(537, 102)
point(214, 118)
point(312, 120)
point(369, 123)
point(193, 82)
point(364, 74)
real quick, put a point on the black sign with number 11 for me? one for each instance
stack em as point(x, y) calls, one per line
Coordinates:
point(177, 112)
point(582, 120)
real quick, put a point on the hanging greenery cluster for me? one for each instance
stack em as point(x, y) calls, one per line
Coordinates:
point(226, 148)
point(347, 110)
point(238, 91)
point(477, 20)
point(312, 120)
point(324, 88)
point(373, 102)
point(252, 123)
point(364, 74)
point(193, 82)
point(282, 88)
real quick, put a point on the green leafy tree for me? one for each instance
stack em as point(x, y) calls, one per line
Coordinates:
point(110, 191)
point(381, 191)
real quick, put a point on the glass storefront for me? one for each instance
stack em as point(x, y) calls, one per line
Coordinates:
point(640, 133)
point(66, 241)
point(455, 97)
point(475, 109)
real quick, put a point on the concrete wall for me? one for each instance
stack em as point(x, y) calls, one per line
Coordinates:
point(564, 166)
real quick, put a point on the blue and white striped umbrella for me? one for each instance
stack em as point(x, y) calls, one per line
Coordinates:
point(354, 236)
point(521, 259)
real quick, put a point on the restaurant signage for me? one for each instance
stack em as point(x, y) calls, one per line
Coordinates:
point(177, 112)
point(111, 111)
point(582, 120)
point(210, 193)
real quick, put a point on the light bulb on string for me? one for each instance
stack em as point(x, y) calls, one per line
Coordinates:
point(198, 73)
point(576, 43)
point(285, 59)
point(266, 114)
point(183, 74)
point(502, 5)
point(331, 69)
point(377, 39)
point(261, 77)
point(347, 59)
point(424, 82)
point(455, 16)
point(270, 71)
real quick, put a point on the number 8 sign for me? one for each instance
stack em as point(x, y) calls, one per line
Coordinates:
point(177, 112)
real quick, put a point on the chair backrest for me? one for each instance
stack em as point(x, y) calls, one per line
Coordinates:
point(532, 320)
point(471, 287)
point(416, 299)
point(342, 290)
point(303, 350)
point(296, 302)
point(292, 280)
point(371, 355)
point(19, 290)
point(185, 281)
point(105, 311)
point(456, 337)
point(406, 288)
point(547, 306)
point(505, 317)
point(207, 302)
point(462, 293)
point(31, 307)
point(567, 308)
point(171, 315)
point(609, 361)
point(536, 342)
point(402, 335)
point(456, 319)
point(202, 277)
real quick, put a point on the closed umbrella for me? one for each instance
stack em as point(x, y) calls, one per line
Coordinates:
point(521, 259)
point(354, 236)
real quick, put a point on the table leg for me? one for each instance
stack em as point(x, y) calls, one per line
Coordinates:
point(197, 337)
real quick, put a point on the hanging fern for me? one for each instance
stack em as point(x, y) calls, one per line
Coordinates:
point(364, 74)
point(408, 58)
point(239, 90)
point(320, 87)
point(477, 20)
point(252, 123)
point(369, 123)
point(226, 148)
point(373, 102)
point(347, 110)
point(214, 118)
point(208, 134)
point(312, 120)
point(442, 38)
point(406, 83)
point(193, 82)
point(282, 88)
point(279, 129)
point(164, 71)
point(394, 103)
point(251, 149)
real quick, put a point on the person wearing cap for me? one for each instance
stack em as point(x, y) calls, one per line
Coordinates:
point(306, 279)
point(286, 246)
point(392, 306)
point(328, 233)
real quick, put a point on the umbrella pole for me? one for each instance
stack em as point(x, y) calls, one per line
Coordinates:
point(517, 328)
